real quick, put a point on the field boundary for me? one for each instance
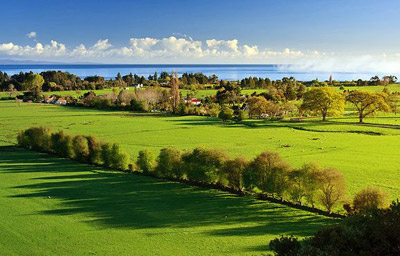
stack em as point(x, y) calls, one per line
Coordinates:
point(259, 196)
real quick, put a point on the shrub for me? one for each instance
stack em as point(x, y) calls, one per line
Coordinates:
point(241, 115)
point(226, 113)
point(119, 158)
point(36, 138)
point(62, 145)
point(145, 161)
point(368, 199)
point(94, 150)
point(285, 246)
point(81, 148)
point(169, 163)
point(106, 154)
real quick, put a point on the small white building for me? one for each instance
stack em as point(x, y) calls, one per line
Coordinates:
point(137, 85)
point(61, 101)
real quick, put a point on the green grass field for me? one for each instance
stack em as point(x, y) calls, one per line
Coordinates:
point(366, 154)
point(93, 211)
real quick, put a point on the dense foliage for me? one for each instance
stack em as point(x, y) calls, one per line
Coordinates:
point(372, 233)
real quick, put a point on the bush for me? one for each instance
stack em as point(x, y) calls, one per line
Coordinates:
point(368, 199)
point(106, 154)
point(169, 163)
point(94, 150)
point(226, 113)
point(285, 246)
point(145, 161)
point(119, 158)
point(36, 138)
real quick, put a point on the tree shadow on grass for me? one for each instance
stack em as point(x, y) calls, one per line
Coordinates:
point(120, 200)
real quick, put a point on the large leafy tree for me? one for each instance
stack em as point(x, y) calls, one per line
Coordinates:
point(368, 103)
point(324, 100)
point(34, 82)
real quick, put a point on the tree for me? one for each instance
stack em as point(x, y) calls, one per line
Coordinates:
point(257, 106)
point(234, 170)
point(119, 158)
point(271, 172)
point(324, 100)
point(34, 82)
point(145, 161)
point(169, 163)
point(175, 94)
point(81, 148)
point(368, 103)
point(204, 165)
point(11, 89)
point(368, 199)
point(332, 187)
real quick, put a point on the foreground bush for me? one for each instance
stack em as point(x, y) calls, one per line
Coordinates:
point(374, 234)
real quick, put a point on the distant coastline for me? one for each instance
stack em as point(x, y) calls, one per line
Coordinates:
point(223, 71)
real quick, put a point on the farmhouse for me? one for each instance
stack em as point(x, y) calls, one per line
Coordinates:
point(193, 101)
point(60, 101)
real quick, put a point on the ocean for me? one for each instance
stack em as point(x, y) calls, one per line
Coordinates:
point(228, 72)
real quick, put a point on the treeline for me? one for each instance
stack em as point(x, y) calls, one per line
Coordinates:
point(267, 173)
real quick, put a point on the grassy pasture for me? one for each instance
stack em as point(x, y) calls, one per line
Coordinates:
point(366, 154)
point(93, 211)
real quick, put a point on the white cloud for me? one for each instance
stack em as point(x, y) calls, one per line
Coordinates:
point(32, 34)
point(101, 45)
point(184, 49)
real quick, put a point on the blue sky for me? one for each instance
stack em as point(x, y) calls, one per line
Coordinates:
point(273, 30)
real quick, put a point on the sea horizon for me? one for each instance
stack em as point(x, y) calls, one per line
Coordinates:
point(223, 71)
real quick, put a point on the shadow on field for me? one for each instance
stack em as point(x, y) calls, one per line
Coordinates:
point(306, 125)
point(120, 200)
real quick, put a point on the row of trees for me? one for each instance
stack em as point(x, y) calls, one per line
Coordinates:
point(86, 149)
point(267, 173)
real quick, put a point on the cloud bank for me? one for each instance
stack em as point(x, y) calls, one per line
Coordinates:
point(183, 49)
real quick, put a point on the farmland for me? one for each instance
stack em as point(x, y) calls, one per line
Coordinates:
point(360, 152)
point(50, 199)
